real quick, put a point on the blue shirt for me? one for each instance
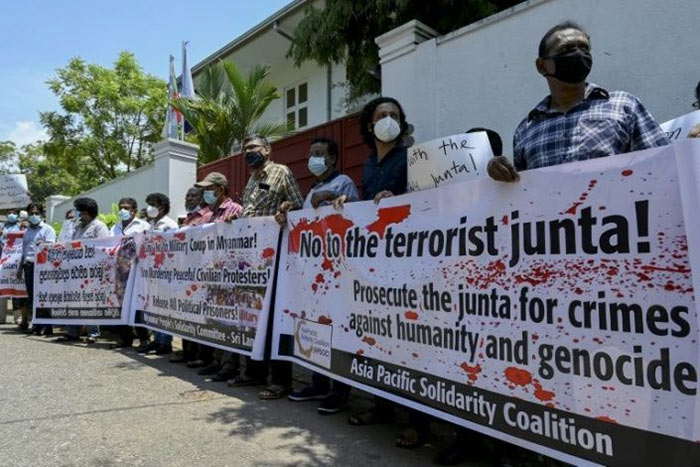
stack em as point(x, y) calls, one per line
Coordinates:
point(602, 124)
point(42, 233)
point(336, 183)
point(391, 173)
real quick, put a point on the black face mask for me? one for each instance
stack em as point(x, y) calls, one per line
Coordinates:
point(255, 159)
point(572, 67)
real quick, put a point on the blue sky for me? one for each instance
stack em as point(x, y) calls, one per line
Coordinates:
point(39, 36)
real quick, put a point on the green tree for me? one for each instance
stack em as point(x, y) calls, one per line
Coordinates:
point(110, 117)
point(228, 107)
point(44, 178)
point(345, 31)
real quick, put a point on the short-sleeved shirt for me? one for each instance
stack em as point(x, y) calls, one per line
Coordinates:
point(135, 226)
point(602, 124)
point(391, 173)
point(33, 236)
point(197, 217)
point(95, 229)
point(227, 209)
point(337, 183)
point(267, 189)
point(163, 224)
point(67, 230)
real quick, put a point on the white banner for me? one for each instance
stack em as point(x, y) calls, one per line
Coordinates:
point(557, 313)
point(84, 281)
point(442, 161)
point(210, 284)
point(678, 128)
point(10, 286)
point(13, 191)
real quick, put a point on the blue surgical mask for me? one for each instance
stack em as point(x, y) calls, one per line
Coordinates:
point(317, 165)
point(35, 219)
point(12, 218)
point(124, 214)
point(210, 196)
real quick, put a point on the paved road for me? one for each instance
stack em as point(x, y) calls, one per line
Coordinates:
point(70, 405)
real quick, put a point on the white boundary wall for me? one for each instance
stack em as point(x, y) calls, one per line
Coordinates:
point(484, 74)
point(173, 172)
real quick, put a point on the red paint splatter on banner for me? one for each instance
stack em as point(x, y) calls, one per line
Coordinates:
point(56, 263)
point(188, 293)
point(369, 340)
point(543, 395)
point(142, 252)
point(324, 320)
point(504, 220)
point(605, 418)
point(387, 217)
point(518, 376)
point(319, 278)
point(411, 315)
point(76, 244)
point(314, 287)
point(158, 259)
point(193, 287)
point(334, 223)
point(268, 253)
point(360, 352)
point(627, 173)
point(327, 265)
point(42, 257)
point(180, 236)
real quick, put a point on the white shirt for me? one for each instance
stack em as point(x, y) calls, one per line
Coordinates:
point(163, 224)
point(135, 226)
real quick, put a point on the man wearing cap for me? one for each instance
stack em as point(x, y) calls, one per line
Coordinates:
point(221, 208)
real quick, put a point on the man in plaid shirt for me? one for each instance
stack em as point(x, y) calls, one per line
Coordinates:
point(578, 120)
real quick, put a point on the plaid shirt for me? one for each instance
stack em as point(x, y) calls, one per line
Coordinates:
point(225, 210)
point(602, 124)
point(267, 189)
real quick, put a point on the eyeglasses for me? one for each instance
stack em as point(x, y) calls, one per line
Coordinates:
point(696, 104)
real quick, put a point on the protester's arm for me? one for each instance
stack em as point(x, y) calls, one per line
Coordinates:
point(321, 196)
point(646, 133)
point(694, 132)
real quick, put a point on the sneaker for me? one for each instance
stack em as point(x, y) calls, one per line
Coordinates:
point(334, 403)
point(91, 339)
point(309, 393)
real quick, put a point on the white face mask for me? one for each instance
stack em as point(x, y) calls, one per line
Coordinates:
point(386, 129)
point(152, 211)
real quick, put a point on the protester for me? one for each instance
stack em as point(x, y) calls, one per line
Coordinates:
point(129, 225)
point(578, 120)
point(68, 227)
point(384, 174)
point(220, 208)
point(87, 226)
point(19, 305)
point(197, 211)
point(272, 189)
point(37, 233)
point(157, 211)
point(695, 131)
point(197, 214)
point(330, 185)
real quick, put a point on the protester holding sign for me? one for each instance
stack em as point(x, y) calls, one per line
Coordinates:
point(38, 232)
point(87, 226)
point(198, 212)
point(127, 226)
point(157, 211)
point(221, 208)
point(272, 189)
point(578, 120)
point(330, 185)
point(12, 226)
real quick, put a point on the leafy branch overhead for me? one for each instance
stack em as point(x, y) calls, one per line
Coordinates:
point(345, 31)
point(228, 107)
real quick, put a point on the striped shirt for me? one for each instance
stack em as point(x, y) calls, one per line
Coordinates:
point(268, 188)
point(602, 124)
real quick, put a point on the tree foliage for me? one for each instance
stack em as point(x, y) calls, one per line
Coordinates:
point(108, 121)
point(345, 31)
point(228, 107)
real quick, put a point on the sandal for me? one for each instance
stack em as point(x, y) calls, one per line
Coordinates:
point(368, 417)
point(274, 391)
point(410, 438)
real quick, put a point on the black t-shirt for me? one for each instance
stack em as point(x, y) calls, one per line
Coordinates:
point(391, 173)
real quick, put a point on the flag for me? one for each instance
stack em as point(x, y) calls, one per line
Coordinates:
point(173, 117)
point(187, 84)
